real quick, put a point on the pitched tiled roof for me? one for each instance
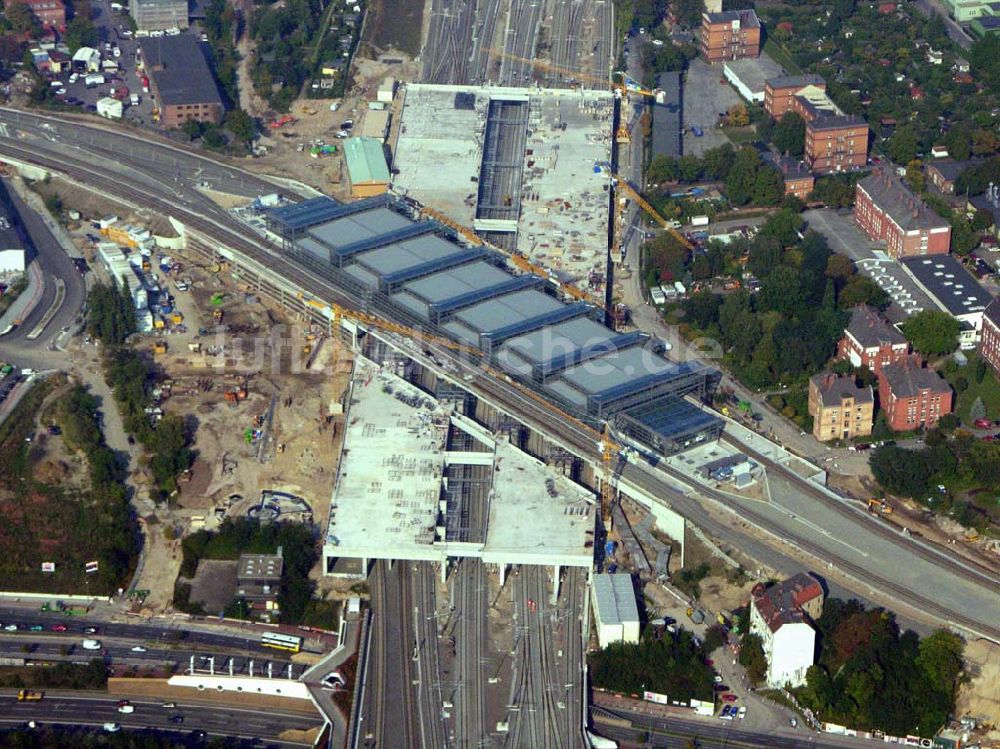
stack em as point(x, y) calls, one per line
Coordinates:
point(898, 201)
point(871, 331)
point(906, 378)
point(833, 389)
point(782, 603)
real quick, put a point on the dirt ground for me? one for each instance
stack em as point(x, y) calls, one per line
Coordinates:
point(980, 698)
point(92, 205)
point(214, 584)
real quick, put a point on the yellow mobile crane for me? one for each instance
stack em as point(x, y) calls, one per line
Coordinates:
point(516, 258)
point(627, 191)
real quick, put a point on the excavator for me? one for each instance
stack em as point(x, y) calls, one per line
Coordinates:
point(879, 506)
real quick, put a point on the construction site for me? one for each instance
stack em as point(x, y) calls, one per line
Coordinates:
point(526, 168)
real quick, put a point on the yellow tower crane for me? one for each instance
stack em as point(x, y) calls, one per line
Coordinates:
point(626, 190)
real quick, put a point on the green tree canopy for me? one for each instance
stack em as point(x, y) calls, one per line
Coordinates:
point(81, 32)
point(789, 135)
point(932, 332)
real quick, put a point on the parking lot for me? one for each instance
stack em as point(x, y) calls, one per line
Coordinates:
point(704, 98)
point(845, 238)
point(114, 34)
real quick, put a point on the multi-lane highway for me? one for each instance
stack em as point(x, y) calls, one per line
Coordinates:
point(82, 709)
point(888, 570)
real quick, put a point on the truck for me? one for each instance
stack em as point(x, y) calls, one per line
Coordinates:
point(94, 80)
point(29, 695)
point(699, 221)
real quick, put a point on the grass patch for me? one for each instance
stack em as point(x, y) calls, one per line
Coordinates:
point(988, 389)
point(740, 135)
point(780, 55)
point(395, 24)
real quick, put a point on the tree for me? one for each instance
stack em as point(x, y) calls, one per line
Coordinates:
point(241, 125)
point(903, 145)
point(978, 409)
point(742, 176)
point(790, 135)
point(752, 658)
point(667, 257)
point(81, 32)
point(932, 333)
point(21, 19)
point(769, 187)
point(738, 116)
point(839, 267)
point(900, 471)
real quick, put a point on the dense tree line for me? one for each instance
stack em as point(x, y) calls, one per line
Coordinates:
point(875, 65)
point(975, 179)
point(283, 32)
point(670, 665)
point(167, 443)
point(111, 313)
point(956, 460)
point(790, 328)
point(246, 536)
point(92, 675)
point(869, 675)
point(746, 178)
point(106, 521)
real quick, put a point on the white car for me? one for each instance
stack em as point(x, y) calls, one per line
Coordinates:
point(11, 628)
point(60, 91)
point(138, 649)
point(112, 727)
point(116, 52)
point(74, 77)
point(126, 709)
point(742, 713)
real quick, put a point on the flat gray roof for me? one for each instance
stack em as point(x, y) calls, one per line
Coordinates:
point(614, 597)
point(450, 283)
point(358, 226)
point(562, 338)
point(408, 254)
point(614, 369)
point(951, 285)
point(506, 310)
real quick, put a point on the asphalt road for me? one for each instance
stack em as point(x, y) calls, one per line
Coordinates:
point(79, 709)
point(138, 633)
point(882, 579)
point(54, 263)
point(955, 32)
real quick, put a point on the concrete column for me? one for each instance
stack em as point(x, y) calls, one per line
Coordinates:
point(555, 584)
point(503, 574)
point(444, 571)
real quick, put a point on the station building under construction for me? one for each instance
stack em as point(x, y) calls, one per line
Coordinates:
point(417, 274)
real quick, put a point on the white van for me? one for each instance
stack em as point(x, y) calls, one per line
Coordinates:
point(91, 644)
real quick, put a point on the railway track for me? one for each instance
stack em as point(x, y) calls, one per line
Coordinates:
point(659, 482)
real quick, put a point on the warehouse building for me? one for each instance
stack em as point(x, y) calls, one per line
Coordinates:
point(953, 290)
point(667, 116)
point(887, 210)
point(415, 273)
point(616, 616)
point(182, 83)
point(366, 167)
point(159, 15)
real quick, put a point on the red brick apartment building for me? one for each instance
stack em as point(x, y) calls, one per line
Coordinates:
point(51, 13)
point(780, 92)
point(182, 82)
point(799, 181)
point(989, 345)
point(869, 341)
point(835, 142)
point(912, 396)
point(730, 35)
point(887, 210)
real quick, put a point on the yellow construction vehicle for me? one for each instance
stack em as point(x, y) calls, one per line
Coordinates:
point(159, 347)
point(517, 259)
point(880, 506)
point(626, 189)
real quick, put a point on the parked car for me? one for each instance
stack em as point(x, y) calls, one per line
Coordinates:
point(730, 697)
point(112, 727)
point(59, 628)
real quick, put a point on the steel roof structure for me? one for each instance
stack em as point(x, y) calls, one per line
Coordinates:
point(411, 273)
